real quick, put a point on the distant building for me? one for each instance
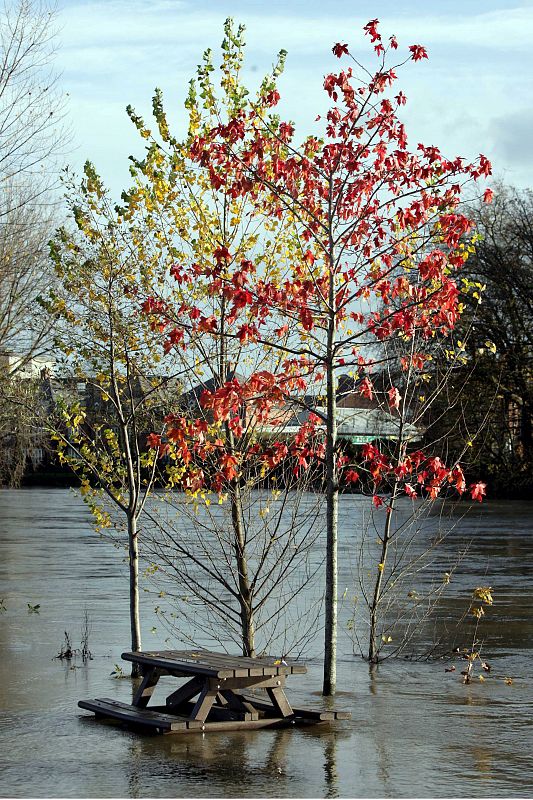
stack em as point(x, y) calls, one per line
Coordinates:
point(359, 419)
point(24, 367)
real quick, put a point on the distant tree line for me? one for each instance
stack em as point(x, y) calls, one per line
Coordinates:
point(488, 404)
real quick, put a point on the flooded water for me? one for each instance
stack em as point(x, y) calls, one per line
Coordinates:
point(416, 730)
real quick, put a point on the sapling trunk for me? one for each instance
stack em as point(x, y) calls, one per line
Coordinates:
point(245, 594)
point(332, 513)
point(373, 648)
point(135, 625)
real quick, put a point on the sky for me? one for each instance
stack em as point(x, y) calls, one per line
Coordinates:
point(474, 94)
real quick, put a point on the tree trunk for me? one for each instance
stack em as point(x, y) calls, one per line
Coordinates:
point(245, 595)
point(373, 649)
point(332, 513)
point(135, 624)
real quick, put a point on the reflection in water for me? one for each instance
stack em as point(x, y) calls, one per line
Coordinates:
point(276, 761)
point(373, 682)
point(416, 730)
point(135, 766)
point(379, 732)
point(230, 761)
point(483, 761)
point(330, 767)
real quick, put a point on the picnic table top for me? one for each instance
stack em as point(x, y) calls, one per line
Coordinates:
point(216, 665)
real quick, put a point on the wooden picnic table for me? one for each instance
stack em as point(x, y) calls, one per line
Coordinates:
point(222, 692)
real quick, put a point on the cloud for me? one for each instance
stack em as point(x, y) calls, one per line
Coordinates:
point(169, 22)
point(512, 136)
point(480, 67)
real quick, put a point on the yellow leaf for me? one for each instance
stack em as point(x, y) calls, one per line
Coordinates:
point(484, 593)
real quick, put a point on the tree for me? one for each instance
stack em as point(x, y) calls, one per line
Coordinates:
point(371, 238)
point(496, 408)
point(379, 236)
point(240, 579)
point(31, 140)
point(32, 108)
point(208, 243)
point(112, 390)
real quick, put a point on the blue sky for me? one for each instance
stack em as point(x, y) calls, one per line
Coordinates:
point(475, 94)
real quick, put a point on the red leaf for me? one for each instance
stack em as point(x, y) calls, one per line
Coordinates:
point(366, 388)
point(340, 49)
point(153, 441)
point(351, 476)
point(418, 52)
point(371, 29)
point(477, 490)
point(394, 397)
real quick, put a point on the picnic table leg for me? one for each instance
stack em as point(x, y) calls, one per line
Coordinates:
point(280, 702)
point(204, 703)
point(237, 703)
point(146, 689)
point(184, 693)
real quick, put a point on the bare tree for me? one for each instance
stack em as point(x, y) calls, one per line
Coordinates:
point(199, 550)
point(32, 137)
point(24, 273)
point(31, 104)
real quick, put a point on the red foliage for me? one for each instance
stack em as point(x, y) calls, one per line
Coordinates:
point(362, 181)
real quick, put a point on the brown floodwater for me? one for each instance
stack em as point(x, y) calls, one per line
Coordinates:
point(416, 730)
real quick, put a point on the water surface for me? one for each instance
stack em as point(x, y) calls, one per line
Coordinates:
point(416, 730)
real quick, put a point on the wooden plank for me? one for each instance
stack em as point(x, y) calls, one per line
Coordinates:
point(134, 716)
point(290, 668)
point(225, 713)
point(254, 682)
point(207, 662)
point(146, 689)
point(217, 712)
point(263, 665)
point(225, 662)
point(304, 713)
point(184, 693)
point(280, 702)
point(224, 719)
point(243, 665)
point(176, 667)
point(205, 658)
point(203, 704)
point(248, 725)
